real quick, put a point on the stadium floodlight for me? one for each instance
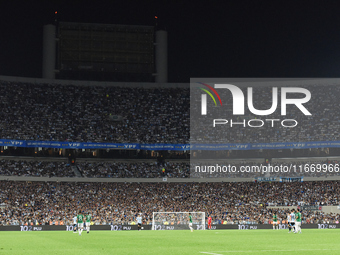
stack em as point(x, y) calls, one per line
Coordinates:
point(177, 220)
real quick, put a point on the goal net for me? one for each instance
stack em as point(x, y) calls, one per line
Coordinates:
point(177, 220)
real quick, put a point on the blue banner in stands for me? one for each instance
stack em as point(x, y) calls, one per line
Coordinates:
point(17, 143)
point(266, 146)
point(75, 145)
point(171, 147)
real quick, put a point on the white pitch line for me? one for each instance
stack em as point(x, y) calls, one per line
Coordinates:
point(210, 253)
point(250, 251)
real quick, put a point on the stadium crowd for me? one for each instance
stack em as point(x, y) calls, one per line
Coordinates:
point(232, 203)
point(169, 169)
point(106, 169)
point(134, 170)
point(93, 113)
point(35, 168)
point(159, 115)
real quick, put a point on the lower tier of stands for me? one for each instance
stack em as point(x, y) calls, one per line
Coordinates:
point(119, 202)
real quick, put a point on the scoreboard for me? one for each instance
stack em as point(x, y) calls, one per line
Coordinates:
point(105, 52)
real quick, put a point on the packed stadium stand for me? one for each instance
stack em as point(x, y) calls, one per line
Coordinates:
point(232, 203)
point(152, 169)
point(39, 111)
point(134, 169)
point(82, 113)
point(58, 112)
point(35, 168)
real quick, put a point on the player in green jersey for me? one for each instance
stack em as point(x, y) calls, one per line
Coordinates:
point(190, 222)
point(298, 221)
point(80, 221)
point(275, 225)
point(88, 222)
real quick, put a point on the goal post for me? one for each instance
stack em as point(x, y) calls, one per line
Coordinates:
point(177, 220)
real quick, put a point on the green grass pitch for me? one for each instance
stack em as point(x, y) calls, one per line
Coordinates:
point(213, 242)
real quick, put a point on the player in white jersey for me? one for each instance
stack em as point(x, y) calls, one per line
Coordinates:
point(139, 222)
point(289, 222)
point(75, 224)
point(292, 220)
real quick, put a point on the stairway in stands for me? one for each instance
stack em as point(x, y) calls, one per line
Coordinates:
point(76, 171)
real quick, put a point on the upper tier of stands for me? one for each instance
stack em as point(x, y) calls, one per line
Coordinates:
point(57, 112)
point(49, 112)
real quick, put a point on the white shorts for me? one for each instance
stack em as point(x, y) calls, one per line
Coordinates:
point(298, 223)
point(87, 224)
point(190, 224)
point(80, 225)
point(274, 222)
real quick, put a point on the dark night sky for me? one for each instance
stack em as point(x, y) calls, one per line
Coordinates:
point(206, 38)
